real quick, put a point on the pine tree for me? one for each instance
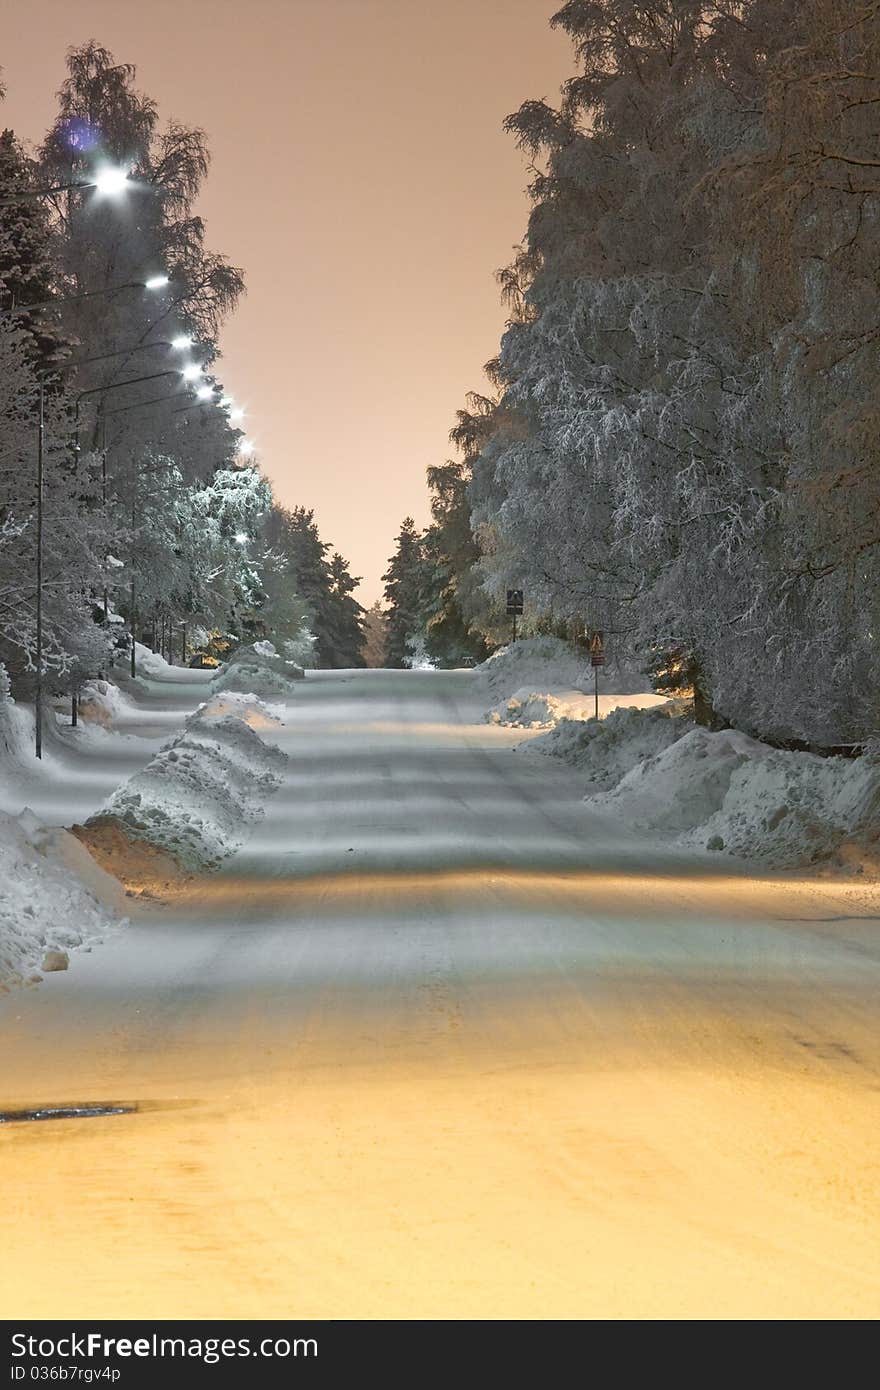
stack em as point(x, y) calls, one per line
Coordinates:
point(403, 582)
point(375, 636)
point(450, 554)
point(324, 585)
point(344, 639)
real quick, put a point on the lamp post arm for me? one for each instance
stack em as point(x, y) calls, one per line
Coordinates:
point(22, 194)
point(76, 298)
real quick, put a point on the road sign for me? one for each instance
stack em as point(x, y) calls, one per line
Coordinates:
point(597, 648)
point(514, 601)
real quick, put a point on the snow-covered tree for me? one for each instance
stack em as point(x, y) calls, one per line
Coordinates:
point(681, 448)
point(375, 648)
point(403, 582)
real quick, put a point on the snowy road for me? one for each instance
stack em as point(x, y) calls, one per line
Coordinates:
point(438, 1042)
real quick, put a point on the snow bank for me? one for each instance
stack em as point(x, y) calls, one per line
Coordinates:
point(724, 791)
point(196, 797)
point(542, 709)
point(16, 731)
point(547, 663)
point(790, 809)
point(259, 670)
point(537, 682)
point(101, 702)
point(55, 899)
point(253, 712)
point(606, 751)
point(150, 663)
point(680, 787)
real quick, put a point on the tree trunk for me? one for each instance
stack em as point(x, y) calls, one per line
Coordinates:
point(704, 711)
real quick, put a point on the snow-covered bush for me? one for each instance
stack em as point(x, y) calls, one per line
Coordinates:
point(417, 657)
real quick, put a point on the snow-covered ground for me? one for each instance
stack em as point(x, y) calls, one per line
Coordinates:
point(443, 1040)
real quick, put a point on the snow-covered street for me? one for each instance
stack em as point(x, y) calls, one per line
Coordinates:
point(440, 1039)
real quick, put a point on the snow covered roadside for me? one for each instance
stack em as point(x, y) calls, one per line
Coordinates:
point(724, 792)
point(187, 808)
point(195, 800)
point(55, 898)
point(539, 681)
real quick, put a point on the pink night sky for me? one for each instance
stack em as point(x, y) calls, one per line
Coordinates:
point(363, 181)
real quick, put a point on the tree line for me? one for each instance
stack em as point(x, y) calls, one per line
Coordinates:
point(679, 446)
point(156, 521)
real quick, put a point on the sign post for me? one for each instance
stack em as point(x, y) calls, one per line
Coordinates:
point(597, 659)
point(514, 606)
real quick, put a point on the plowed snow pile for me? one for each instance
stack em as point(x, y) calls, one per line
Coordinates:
point(605, 751)
point(54, 899)
point(724, 791)
point(197, 797)
point(260, 670)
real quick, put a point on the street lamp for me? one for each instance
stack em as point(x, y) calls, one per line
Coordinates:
point(109, 182)
point(155, 282)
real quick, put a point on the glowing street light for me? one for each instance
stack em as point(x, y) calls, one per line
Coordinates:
point(191, 372)
point(236, 414)
point(181, 342)
point(246, 447)
point(110, 182)
point(205, 392)
point(156, 282)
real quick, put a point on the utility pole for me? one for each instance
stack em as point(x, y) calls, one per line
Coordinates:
point(132, 592)
point(514, 606)
point(38, 706)
point(131, 606)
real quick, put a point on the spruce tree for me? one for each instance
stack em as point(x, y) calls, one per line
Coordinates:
point(375, 628)
point(345, 638)
point(403, 590)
